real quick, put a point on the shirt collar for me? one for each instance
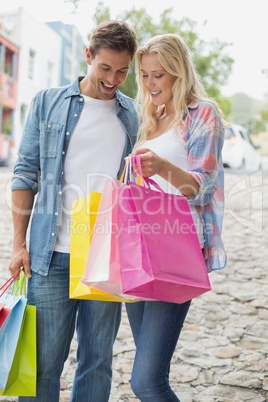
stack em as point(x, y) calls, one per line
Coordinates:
point(121, 99)
point(74, 90)
point(193, 105)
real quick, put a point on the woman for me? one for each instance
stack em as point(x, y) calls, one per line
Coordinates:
point(179, 142)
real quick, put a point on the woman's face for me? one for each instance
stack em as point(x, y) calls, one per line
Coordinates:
point(157, 80)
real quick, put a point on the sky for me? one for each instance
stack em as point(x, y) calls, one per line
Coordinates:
point(242, 24)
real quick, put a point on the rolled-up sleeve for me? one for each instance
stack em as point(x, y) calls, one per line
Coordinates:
point(204, 154)
point(27, 167)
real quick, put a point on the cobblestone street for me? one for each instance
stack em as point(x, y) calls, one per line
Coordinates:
point(222, 353)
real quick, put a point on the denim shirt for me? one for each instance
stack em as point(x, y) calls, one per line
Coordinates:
point(40, 165)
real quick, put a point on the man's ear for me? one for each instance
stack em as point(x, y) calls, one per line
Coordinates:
point(88, 56)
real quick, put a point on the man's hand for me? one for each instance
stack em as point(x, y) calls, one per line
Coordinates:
point(22, 203)
point(20, 259)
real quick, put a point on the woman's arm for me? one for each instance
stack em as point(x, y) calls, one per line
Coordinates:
point(152, 164)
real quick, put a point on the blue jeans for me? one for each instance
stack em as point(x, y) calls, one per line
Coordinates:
point(97, 323)
point(156, 327)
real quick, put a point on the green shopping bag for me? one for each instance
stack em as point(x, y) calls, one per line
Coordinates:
point(22, 376)
point(10, 330)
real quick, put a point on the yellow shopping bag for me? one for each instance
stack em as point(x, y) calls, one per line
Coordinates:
point(83, 217)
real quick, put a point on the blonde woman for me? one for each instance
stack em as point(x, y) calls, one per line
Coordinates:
point(179, 142)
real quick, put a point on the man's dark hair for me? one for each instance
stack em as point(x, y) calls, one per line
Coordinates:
point(112, 34)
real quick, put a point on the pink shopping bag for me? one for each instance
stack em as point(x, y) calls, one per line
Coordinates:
point(4, 312)
point(103, 255)
point(5, 309)
point(102, 270)
point(160, 254)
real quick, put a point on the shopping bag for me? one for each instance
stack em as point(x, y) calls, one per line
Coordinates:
point(22, 375)
point(3, 313)
point(102, 270)
point(10, 331)
point(160, 254)
point(19, 285)
point(83, 217)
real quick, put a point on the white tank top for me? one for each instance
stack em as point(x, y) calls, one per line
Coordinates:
point(170, 146)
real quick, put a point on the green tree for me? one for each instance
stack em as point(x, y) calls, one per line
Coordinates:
point(102, 13)
point(210, 58)
point(75, 3)
point(261, 124)
point(264, 115)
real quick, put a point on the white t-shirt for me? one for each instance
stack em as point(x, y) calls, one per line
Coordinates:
point(171, 147)
point(94, 154)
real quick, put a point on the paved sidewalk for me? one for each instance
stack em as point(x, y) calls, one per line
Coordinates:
point(222, 354)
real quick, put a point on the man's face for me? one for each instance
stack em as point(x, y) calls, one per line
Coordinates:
point(108, 70)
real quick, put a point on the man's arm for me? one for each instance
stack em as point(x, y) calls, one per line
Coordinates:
point(22, 204)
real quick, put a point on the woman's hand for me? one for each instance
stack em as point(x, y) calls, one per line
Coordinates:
point(151, 163)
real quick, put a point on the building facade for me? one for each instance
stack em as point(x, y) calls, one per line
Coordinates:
point(44, 49)
point(9, 57)
point(72, 52)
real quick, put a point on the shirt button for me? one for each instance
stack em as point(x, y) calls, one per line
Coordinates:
point(56, 213)
point(62, 172)
point(75, 115)
point(81, 99)
point(63, 153)
point(60, 192)
point(49, 125)
point(52, 234)
point(67, 133)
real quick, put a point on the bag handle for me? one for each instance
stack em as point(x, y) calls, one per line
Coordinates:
point(145, 181)
point(153, 183)
point(124, 171)
point(20, 284)
point(8, 283)
point(128, 170)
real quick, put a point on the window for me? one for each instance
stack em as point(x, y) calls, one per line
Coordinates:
point(228, 133)
point(49, 73)
point(23, 111)
point(68, 64)
point(31, 64)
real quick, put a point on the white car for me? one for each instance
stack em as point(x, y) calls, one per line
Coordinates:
point(238, 151)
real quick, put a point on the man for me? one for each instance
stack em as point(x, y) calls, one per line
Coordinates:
point(74, 138)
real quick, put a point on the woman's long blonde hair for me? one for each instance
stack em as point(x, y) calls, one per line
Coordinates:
point(174, 56)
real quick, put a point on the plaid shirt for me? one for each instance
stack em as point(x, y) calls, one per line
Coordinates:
point(203, 133)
